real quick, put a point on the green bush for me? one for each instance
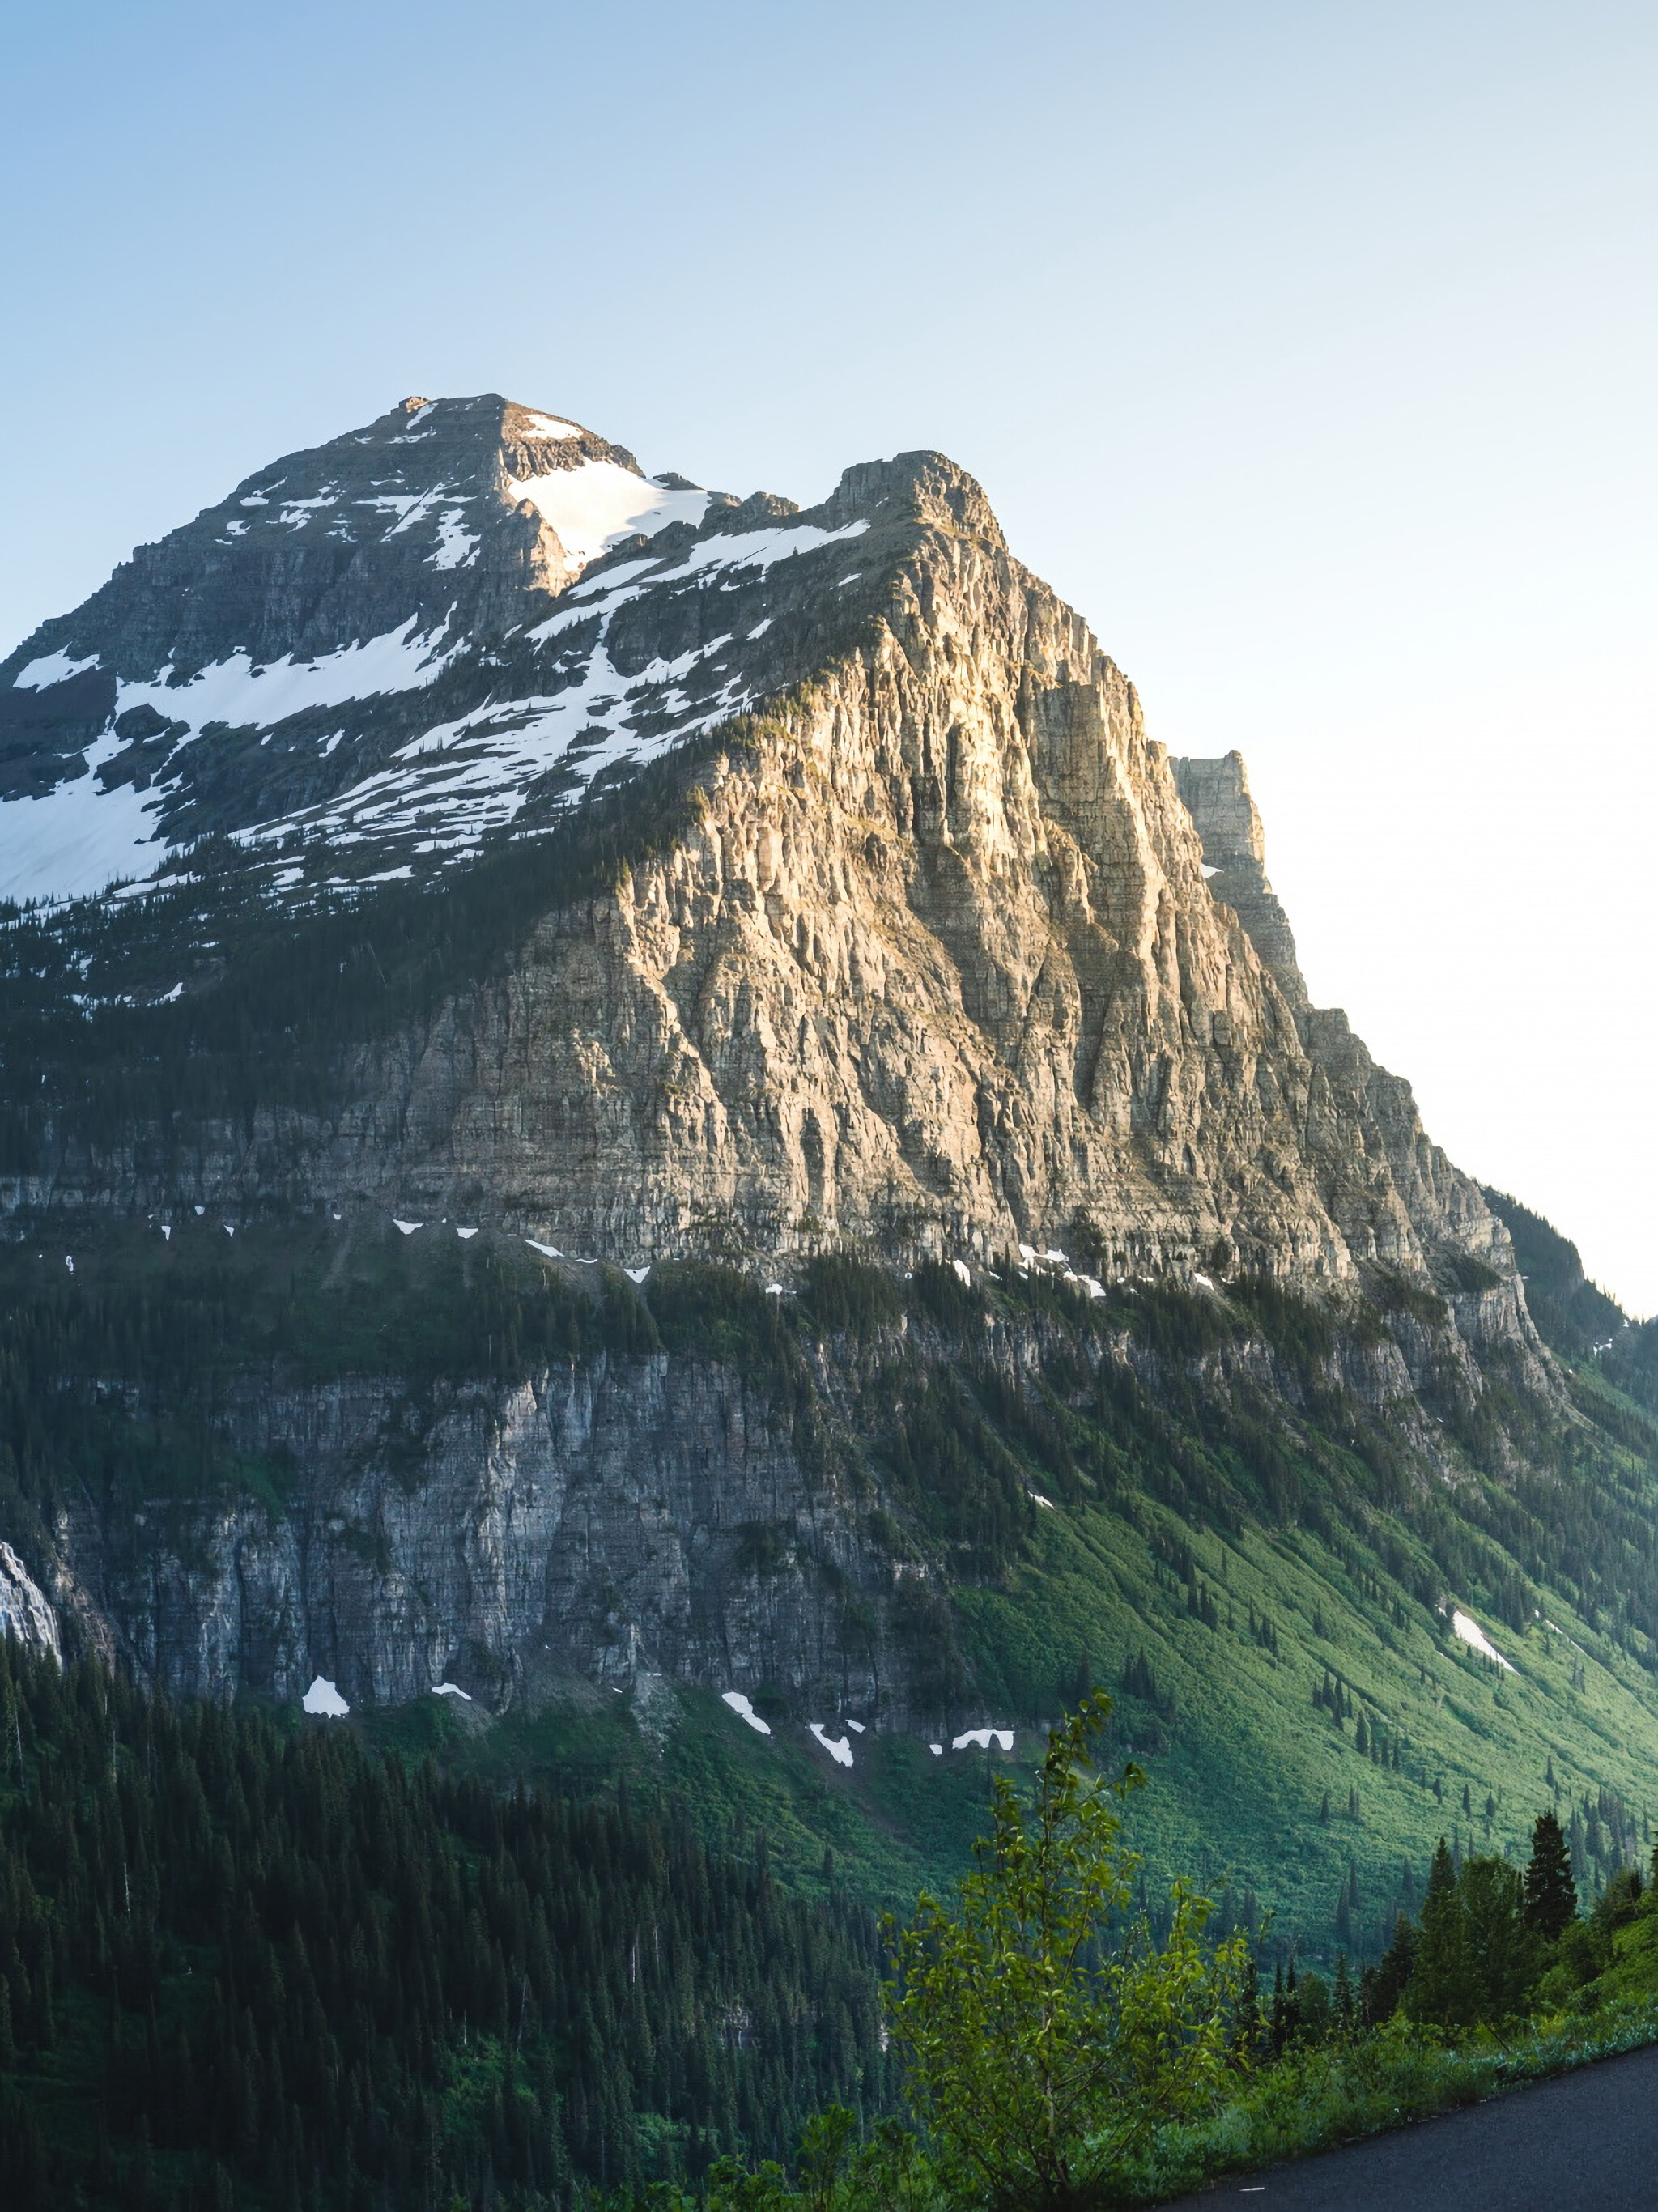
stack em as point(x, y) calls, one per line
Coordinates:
point(1046, 2033)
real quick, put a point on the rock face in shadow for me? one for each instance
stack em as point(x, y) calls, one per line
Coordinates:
point(623, 1520)
point(607, 1519)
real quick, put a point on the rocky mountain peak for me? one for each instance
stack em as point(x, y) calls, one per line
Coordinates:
point(926, 489)
point(380, 653)
point(908, 935)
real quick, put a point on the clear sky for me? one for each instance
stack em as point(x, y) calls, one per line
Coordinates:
point(1312, 351)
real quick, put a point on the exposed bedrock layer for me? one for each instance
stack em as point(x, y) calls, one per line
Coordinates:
point(616, 1519)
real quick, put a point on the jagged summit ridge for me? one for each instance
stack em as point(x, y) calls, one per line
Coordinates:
point(373, 655)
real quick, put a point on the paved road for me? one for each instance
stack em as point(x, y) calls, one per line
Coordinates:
point(1588, 2139)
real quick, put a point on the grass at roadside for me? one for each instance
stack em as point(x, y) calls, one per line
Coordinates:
point(1315, 2099)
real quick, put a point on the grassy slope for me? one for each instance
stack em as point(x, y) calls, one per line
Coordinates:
point(1235, 1790)
point(1238, 1790)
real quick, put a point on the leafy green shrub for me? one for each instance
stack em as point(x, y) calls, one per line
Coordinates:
point(1046, 2033)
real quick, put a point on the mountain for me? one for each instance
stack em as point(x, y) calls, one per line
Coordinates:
point(609, 1089)
point(386, 652)
point(924, 954)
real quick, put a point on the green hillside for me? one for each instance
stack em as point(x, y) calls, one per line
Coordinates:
point(1171, 1491)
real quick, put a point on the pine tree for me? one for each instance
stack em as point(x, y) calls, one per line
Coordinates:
point(1385, 1985)
point(1503, 1955)
point(1551, 1893)
point(1438, 1989)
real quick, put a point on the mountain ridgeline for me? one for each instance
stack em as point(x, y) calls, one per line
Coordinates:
point(616, 1091)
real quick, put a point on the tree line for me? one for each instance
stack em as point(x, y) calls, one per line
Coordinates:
point(241, 1964)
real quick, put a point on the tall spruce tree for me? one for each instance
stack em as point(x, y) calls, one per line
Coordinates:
point(1503, 1955)
point(1383, 1985)
point(1437, 1991)
point(1551, 1893)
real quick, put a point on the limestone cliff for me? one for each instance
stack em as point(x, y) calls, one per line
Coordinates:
point(834, 897)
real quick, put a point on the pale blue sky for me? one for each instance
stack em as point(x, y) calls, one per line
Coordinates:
point(1311, 351)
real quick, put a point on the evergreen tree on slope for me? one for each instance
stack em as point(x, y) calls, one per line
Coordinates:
point(1551, 1893)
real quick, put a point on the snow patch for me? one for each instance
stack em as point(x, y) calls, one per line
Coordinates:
point(637, 1274)
point(599, 504)
point(73, 841)
point(323, 1697)
point(457, 546)
point(547, 1251)
point(981, 1739)
point(745, 1710)
point(296, 513)
point(464, 1233)
point(450, 1690)
point(407, 1227)
point(1036, 1498)
point(548, 426)
point(762, 549)
point(623, 573)
point(838, 1746)
point(964, 1273)
point(1465, 1627)
point(52, 668)
point(237, 691)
